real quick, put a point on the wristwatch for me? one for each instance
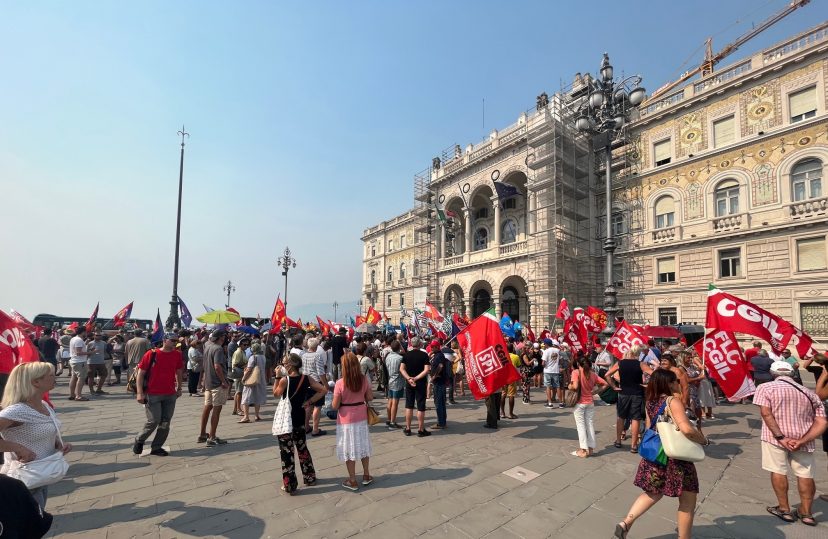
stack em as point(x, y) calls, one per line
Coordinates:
point(780, 437)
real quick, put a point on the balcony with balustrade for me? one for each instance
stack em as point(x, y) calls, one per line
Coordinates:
point(812, 208)
point(731, 223)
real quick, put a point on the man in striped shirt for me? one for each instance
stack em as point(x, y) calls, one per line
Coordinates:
point(792, 418)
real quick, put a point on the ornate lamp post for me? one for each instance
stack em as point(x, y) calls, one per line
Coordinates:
point(173, 320)
point(286, 261)
point(335, 306)
point(606, 112)
point(229, 288)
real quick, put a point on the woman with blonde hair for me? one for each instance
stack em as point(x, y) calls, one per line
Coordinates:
point(352, 393)
point(28, 426)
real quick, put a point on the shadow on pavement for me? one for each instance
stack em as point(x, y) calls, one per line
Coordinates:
point(95, 437)
point(739, 526)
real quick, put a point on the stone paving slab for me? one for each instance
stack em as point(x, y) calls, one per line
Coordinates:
point(448, 485)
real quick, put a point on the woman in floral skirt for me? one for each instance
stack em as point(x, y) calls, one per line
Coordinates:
point(678, 479)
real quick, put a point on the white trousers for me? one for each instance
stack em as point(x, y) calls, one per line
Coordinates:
point(585, 423)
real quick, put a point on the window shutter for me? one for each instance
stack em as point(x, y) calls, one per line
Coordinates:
point(665, 205)
point(666, 265)
point(803, 101)
point(661, 150)
point(811, 254)
point(724, 131)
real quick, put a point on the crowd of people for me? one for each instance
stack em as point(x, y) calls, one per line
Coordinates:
point(332, 376)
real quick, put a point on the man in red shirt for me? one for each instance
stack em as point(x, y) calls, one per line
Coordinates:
point(160, 371)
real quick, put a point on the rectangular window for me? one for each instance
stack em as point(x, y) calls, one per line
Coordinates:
point(618, 274)
point(510, 204)
point(814, 318)
point(617, 224)
point(810, 254)
point(724, 132)
point(661, 152)
point(402, 300)
point(730, 262)
point(802, 104)
point(402, 241)
point(666, 270)
point(389, 300)
point(667, 316)
point(390, 245)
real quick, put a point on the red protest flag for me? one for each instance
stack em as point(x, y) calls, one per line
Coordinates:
point(575, 333)
point(359, 320)
point(15, 347)
point(373, 317)
point(529, 332)
point(323, 327)
point(123, 315)
point(488, 367)
point(563, 310)
point(728, 312)
point(278, 316)
point(726, 364)
point(432, 312)
point(459, 321)
point(624, 338)
point(90, 324)
point(293, 324)
point(598, 316)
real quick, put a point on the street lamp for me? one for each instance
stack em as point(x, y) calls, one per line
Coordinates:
point(173, 321)
point(229, 288)
point(335, 305)
point(605, 112)
point(286, 261)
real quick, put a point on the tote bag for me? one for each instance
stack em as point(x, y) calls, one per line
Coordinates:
point(40, 472)
point(676, 444)
point(282, 422)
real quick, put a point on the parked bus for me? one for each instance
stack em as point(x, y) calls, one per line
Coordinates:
point(51, 321)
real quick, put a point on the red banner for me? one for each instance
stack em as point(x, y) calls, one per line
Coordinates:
point(727, 312)
point(586, 321)
point(323, 327)
point(278, 316)
point(432, 312)
point(575, 333)
point(598, 316)
point(373, 317)
point(488, 367)
point(624, 338)
point(726, 364)
point(90, 324)
point(15, 347)
point(563, 310)
point(120, 319)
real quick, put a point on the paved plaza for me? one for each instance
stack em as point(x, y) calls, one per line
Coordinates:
point(451, 484)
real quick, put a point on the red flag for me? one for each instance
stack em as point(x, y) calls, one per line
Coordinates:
point(432, 312)
point(804, 344)
point(624, 338)
point(23, 323)
point(459, 321)
point(323, 327)
point(488, 367)
point(575, 333)
point(293, 324)
point(72, 327)
point(529, 332)
point(585, 321)
point(598, 316)
point(120, 319)
point(725, 311)
point(15, 347)
point(563, 310)
point(373, 317)
point(726, 364)
point(359, 320)
point(278, 316)
point(92, 319)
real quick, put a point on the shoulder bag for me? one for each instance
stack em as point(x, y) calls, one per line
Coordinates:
point(252, 377)
point(282, 421)
point(40, 472)
point(676, 444)
point(571, 397)
point(132, 383)
point(651, 448)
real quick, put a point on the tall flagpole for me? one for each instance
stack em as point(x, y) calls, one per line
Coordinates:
point(173, 320)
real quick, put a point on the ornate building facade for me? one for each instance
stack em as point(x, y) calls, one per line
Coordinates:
point(729, 190)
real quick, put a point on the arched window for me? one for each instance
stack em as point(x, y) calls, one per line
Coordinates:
point(481, 213)
point(481, 239)
point(373, 276)
point(402, 270)
point(806, 180)
point(509, 231)
point(665, 212)
point(727, 198)
point(509, 303)
point(617, 223)
point(390, 273)
point(481, 302)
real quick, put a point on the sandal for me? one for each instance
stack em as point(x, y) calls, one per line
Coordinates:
point(621, 530)
point(623, 435)
point(579, 454)
point(633, 450)
point(617, 445)
point(285, 490)
point(513, 416)
point(787, 516)
point(368, 481)
point(353, 487)
point(808, 520)
point(244, 421)
point(81, 399)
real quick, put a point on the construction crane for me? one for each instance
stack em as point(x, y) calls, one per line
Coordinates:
point(711, 59)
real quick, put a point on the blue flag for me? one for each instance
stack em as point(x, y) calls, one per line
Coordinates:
point(157, 328)
point(186, 317)
point(517, 326)
point(506, 326)
point(353, 322)
point(505, 191)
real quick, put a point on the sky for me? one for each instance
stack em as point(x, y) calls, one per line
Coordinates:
point(307, 123)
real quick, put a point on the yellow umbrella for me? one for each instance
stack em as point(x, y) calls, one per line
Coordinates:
point(219, 317)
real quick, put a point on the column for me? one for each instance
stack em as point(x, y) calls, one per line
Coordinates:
point(468, 239)
point(496, 206)
point(530, 217)
point(438, 230)
point(442, 232)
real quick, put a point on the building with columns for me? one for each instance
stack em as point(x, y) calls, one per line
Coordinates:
point(729, 190)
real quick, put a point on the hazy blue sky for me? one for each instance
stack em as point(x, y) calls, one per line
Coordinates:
point(308, 121)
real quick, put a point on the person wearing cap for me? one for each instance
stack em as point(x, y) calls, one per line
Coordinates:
point(162, 369)
point(792, 418)
point(216, 387)
point(439, 369)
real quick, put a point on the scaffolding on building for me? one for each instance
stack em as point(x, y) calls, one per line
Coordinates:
point(424, 277)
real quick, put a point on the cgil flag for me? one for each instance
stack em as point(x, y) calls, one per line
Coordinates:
point(123, 315)
point(488, 367)
point(15, 347)
point(724, 360)
point(730, 313)
point(184, 313)
point(624, 338)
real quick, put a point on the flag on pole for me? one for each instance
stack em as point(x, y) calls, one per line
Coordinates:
point(93, 318)
point(278, 316)
point(599, 316)
point(728, 312)
point(488, 367)
point(373, 317)
point(207, 309)
point(563, 310)
point(120, 319)
point(505, 191)
point(157, 328)
point(323, 327)
point(624, 338)
point(529, 332)
point(15, 347)
point(506, 326)
point(724, 359)
point(432, 312)
point(293, 324)
point(186, 316)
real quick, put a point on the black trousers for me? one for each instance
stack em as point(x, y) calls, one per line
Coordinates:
point(493, 408)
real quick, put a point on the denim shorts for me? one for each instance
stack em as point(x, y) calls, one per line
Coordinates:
point(552, 379)
point(396, 394)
